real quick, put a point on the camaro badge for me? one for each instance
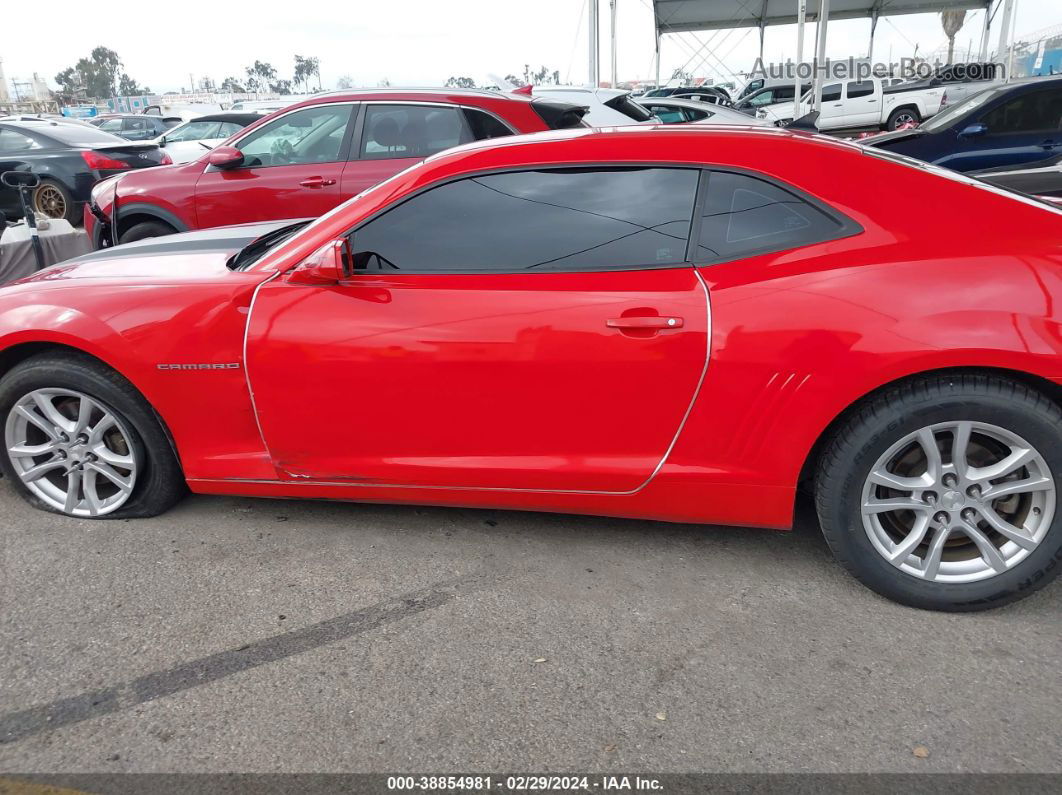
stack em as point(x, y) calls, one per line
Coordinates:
point(205, 366)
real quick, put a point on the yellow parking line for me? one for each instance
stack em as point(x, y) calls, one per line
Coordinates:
point(13, 786)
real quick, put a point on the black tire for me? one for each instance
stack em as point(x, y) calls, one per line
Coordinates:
point(144, 230)
point(884, 420)
point(894, 119)
point(72, 209)
point(159, 483)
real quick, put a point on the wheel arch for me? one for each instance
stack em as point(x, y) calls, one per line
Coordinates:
point(131, 214)
point(14, 355)
point(1051, 389)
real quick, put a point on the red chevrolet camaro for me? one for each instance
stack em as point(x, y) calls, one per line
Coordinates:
point(668, 323)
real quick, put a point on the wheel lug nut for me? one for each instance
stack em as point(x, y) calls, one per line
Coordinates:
point(930, 497)
point(950, 480)
point(974, 492)
point(942, 518)
point(969, 514)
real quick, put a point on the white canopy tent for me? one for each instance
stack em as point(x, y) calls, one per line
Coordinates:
point(676, 16)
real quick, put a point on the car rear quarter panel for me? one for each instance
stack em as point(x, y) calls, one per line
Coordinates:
point(943, 276)
point(135, 328)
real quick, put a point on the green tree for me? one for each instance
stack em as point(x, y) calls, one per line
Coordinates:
point(68, 81)
point(345, 82)
point(100, 75)
point(305, 68)
point(460, 82)
point(127, 87)
point(231, 85)
point(260, 76)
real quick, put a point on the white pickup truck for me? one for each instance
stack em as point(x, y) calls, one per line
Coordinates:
point(884, 103)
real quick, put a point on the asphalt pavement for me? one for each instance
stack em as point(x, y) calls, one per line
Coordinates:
point(265, 635)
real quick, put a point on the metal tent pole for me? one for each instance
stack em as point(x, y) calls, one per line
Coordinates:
point(820, 55)
point(612, 30)
point(1004, 30)
point(595, 71)
point(986, 31)
point(873, 27)
point(658, 58)
point(802, 8)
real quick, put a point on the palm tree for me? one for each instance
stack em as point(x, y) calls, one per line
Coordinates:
point(951, 21)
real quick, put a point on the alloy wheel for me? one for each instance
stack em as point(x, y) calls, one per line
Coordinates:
point(958, 502)
point(49, 200)
point(71, 451)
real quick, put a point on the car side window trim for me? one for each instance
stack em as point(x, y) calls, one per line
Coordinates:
point(686, 263)
point(846, 226)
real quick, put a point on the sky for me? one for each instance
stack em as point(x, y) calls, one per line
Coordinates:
point(423, 42)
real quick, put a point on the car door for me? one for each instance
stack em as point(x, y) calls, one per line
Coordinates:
point(15, 149)
point(391, 136)
point(862, 106)
point(517, 330)
point(1017, 130)
point(831, 112)
point(292, 168)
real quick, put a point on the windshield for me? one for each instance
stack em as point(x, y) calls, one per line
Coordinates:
point(252, 252)
point(949, 116)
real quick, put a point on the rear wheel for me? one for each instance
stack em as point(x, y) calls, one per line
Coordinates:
point(54, 201)
point(941, 493)
point(81, 441)
point(902, 116)
point(144, 230)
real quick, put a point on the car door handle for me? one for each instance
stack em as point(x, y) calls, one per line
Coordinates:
point(317, 182)
point(654, 322)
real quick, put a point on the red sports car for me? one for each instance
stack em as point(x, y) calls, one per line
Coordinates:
point(304, 160)
point(670, 323)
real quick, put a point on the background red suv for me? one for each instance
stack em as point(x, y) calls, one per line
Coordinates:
point(304, 160)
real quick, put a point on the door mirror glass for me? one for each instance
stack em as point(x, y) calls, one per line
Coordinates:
point(225, 157)
point(330, 264)
point(973, 130)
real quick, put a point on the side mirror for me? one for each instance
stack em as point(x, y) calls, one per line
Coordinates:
point(330, 264)
point(974, 130)
point(162, 140)
point(225, 157)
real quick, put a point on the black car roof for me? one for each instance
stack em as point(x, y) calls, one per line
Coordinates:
point(238, 118)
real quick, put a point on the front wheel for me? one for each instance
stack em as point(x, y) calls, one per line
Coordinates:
point(144, 230)
point(81, 441)
point(941, 493)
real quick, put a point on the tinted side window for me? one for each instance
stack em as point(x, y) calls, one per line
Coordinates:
point(863, 89)
point(831, 93)
point(556, 219)
point(483, 125)
point(411, 131)
point(11, 141)
point(1037, 110)
point(743, 216)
